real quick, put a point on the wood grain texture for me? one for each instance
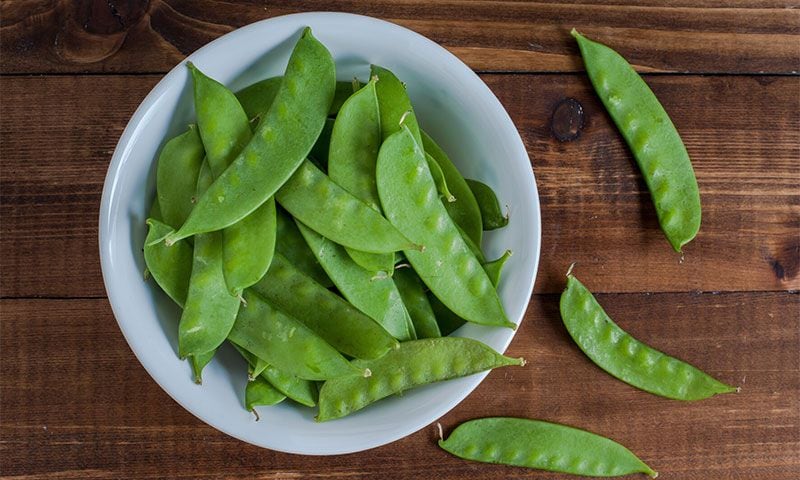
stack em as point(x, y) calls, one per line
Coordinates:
point(73, 410)
point(743, 135)
point(127, 36)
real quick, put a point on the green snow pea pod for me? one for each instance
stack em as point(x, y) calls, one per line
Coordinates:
point(327, 314)
point(301, 391)
point(419, 308)
point(624, 357)
point(280, 144)
point(491, 214)
point(652, 138)
point(259, 393)
point(258, 97)
point(394, 104)
point(439, 180)
point(375, 295)
point(176, 176)
point(464, 210)
point(475, 249)
point(155, 211)
point(542, 445)
point(354, 145)
point(291, 245)
point(248, 244)
point(209, 310)
point(170, 267)
point(495, 267)
point(446, 265)
point(198, 363)
point(345, 219)
point(415, 363)
point(285, 342)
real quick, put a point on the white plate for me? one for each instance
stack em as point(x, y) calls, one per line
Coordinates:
point(452, 104)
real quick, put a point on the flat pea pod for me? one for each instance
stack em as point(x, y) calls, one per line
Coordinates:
point(209, 311)
point(464, 210)
point(377, 296)
point(248, 244)
point(439, 180)
point(542, 445)
point(327, 314)
point(651, 136)
point(286, 342)
point(345, 219)
point(280, 144)
point(624, 357)
point(258, 97)
point(176, 176)
point(446, 265)
point(301, 391)
point(491, 214)
point(416, 301)
point(290, 244)
point(259, 392)
point(354, 145)
point(394, 104)
point(170, 267)
point(415, 363)
point(199, 362)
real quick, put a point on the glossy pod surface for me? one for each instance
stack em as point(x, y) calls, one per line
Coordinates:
point(446, 265)
point(624, 357)
point(542, 445)
point(301, 391)
point(415, 363)
point(375, 295)
point(652, 138)
point(345, 219)
point(342, 325)
point(286, 342)
point(492, 215)
point(170, 267)
point(416, 301)
point(259, 392)
point(282, 140)
point(176, 177)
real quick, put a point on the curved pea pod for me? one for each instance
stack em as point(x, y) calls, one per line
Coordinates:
point(416, 301)
point(199, 362)
point(415, 363)
point(291, 244)
point(394, 104)
point(439, 180)
point(542, 445)
point(373, 262)
point(446, 265)
point(491, 214)
point(375, 295)
point(301, 391)
point(176, 177)
point(345, 219)
point(282, 140)
point(209, 310)
point(495, 267)
point(624, 357)
point(170, 267)
point(652, 138)
point(248, 244)
point(285, 342)
point(259, 393)
point(327, 314)
point(464, 210)
point(258, 97)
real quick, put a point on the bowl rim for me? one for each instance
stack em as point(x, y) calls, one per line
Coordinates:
point(117, 160)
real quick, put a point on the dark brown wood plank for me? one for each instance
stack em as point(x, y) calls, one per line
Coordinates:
point(48, 36)
point(743, 134)
point(76, 403)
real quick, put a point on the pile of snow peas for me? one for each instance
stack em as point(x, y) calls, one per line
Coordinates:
point(311, 223)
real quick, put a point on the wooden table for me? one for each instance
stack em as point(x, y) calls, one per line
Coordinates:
point(77, 404)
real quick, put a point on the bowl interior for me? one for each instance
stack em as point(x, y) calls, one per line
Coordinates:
point(452, 105)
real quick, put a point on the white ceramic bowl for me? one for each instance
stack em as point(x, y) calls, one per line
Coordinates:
point(452, 104)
